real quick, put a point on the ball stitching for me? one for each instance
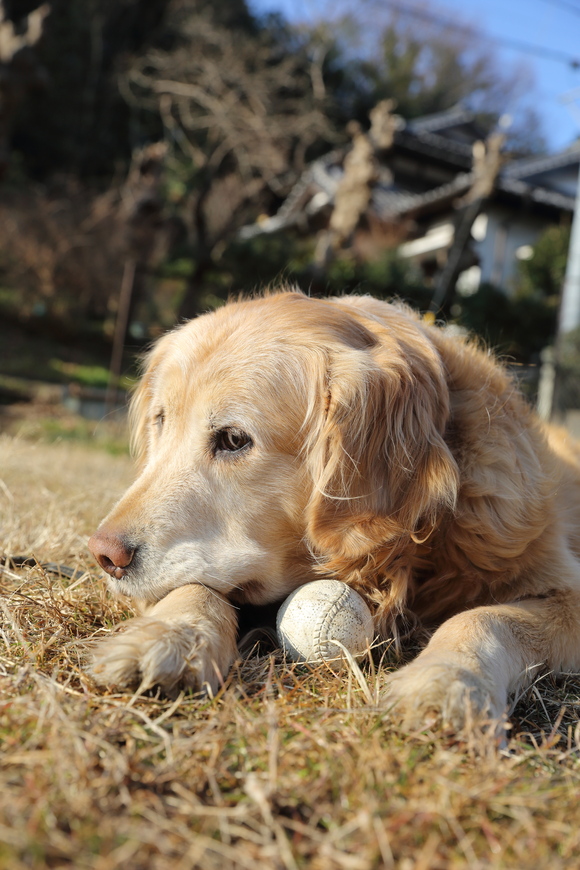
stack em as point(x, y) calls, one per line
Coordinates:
point(320, 647)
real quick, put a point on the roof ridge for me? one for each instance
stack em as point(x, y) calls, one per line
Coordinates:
point(438, 120)
point(539, 163)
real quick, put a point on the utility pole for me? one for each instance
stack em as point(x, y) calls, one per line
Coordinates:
point(570, 304)
point(569, 316)
point(551, 388)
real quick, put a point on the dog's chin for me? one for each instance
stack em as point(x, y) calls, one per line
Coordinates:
point(129, 587)
point(146, 593)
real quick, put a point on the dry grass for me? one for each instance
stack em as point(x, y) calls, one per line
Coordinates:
point(285, 768)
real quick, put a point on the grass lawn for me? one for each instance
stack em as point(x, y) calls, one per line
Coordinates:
point(287, 767)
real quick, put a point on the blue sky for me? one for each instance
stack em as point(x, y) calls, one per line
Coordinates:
point(551, 26)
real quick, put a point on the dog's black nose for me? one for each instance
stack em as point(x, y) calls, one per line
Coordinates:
point(112, 553)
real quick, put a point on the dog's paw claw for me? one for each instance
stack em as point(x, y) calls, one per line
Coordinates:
point(173, 655)
point(442, 693)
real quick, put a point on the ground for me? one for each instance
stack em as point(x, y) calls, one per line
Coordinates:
point(287, 767)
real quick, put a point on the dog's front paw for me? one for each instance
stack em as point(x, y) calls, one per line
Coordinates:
point(443, 692)
point(172, 654)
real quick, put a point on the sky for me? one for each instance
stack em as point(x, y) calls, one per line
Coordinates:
point(551, 28)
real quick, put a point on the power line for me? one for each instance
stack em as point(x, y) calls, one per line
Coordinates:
point(515, 44)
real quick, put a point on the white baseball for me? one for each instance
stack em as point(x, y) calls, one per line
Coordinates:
point(321, 612)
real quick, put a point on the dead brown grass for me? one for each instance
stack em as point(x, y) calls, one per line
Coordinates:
point(286, 768)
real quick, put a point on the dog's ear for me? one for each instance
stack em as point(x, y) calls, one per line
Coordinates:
point(382, 472)
point(139, 418)
point(140, 406)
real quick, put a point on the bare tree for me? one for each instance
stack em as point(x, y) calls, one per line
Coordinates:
point(487, 161)
point(20, 70)
point(141, 213)
point(244, 109)
point(360, 174)
point(427, 60)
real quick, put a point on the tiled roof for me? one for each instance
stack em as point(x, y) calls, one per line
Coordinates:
point(452, 117)
point(534, 165)
point(435, 145)
point(535, 193)
point(390, 202)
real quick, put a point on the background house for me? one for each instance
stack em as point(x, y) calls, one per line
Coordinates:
point(412, 206)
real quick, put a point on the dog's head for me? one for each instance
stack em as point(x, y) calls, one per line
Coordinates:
point(277, 438)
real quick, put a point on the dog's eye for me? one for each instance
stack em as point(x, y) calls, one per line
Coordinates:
point(159, 420)
point(231, 440)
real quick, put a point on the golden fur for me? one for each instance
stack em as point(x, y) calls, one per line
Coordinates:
point(383, 452)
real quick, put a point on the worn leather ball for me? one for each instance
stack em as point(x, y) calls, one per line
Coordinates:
point(321, 612)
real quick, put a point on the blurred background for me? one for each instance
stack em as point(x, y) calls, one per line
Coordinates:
point(158, 156)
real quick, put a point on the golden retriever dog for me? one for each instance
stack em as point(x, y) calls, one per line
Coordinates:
point(283, 439)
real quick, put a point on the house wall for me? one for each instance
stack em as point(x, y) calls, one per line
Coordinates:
point(499, 233)
point(505, 233)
